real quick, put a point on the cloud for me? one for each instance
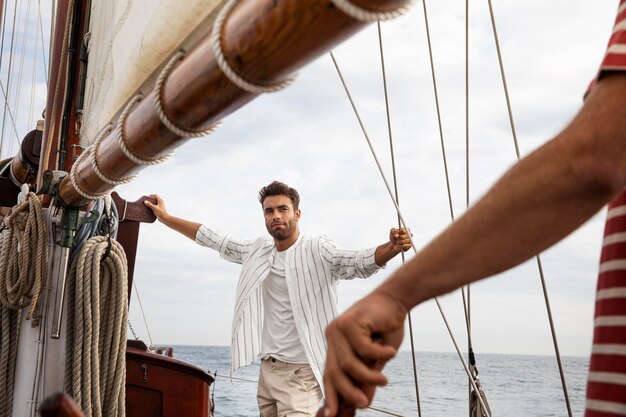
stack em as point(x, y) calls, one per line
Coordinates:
point(309, 137)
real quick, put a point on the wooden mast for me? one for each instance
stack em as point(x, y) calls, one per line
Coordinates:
point(262, 40)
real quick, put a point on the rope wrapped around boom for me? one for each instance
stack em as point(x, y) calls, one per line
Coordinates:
point(97, 318)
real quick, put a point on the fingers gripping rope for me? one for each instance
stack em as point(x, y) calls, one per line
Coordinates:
point(363, 15)
point(216, 43)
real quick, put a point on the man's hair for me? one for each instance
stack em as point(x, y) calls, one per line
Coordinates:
point(279, 188)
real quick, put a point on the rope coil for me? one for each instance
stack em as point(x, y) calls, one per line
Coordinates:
point(96, 328)
point(24, 256)
point(158, 103)
point(21, 271)
point(216, 43)
point(8, 353)
point(364, 15)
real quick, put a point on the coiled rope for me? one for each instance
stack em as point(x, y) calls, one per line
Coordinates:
point(24, 257)
point(96, 328)
point(8, 354)
point(23, 266)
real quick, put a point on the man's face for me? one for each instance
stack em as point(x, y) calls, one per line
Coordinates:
point(281, 220)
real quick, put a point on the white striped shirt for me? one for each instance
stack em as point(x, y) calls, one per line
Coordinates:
point(312, 268)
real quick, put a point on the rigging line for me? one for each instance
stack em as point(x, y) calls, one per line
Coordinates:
point(396, 193)
point(6, 98)
point(440, 127)
point(439, 123)
point(466, 298)
point(4, 95)
point(380, 410)
point(143, 314)
point(2, 88)
point(467, 135)
point(43, 45)
point(18, 96)
point(34, 80)
point(4, 26)
point(395, 203)
point(234, 378)
point(538, 258)
point(18, 88)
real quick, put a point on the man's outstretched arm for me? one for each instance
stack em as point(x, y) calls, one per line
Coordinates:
point(185, 227)
point(542, 199)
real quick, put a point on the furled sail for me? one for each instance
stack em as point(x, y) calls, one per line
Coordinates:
point(123, 54)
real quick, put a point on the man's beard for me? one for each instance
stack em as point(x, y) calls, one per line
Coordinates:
point(282, 234)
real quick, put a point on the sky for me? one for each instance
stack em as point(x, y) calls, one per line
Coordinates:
point(308, 137)
point(24, 44)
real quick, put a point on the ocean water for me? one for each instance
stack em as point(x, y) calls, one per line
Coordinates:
point(515, 385)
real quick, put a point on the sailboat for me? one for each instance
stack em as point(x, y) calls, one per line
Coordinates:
point(73, 335)
point(94, 129)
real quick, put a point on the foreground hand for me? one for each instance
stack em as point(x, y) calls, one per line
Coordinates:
point(355, 359)
point(400, 239)
point(159, 208)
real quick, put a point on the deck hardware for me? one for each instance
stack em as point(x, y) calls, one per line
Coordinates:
point(144, 368)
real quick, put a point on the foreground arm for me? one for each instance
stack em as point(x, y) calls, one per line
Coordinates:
point(543, 198)
point(399, 241)
point(185, 227)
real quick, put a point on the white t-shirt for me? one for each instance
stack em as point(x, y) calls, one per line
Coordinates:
point(280, 336)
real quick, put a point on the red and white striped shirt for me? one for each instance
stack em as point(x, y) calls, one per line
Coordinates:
point(606, 384)
point(615, 58)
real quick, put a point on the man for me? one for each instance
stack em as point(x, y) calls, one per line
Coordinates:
point(286, 296)
point(535, 204)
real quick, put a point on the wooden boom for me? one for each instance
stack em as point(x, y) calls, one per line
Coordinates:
point(262, 40)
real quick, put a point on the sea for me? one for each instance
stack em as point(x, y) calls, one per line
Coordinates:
point(514, 385)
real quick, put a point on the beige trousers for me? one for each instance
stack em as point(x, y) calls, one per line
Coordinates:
point(287, 389)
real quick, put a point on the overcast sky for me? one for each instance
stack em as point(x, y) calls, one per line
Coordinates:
point(308, 137)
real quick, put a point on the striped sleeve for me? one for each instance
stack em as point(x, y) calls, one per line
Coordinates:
point(606, 384)
point(348, 264)
point(615, 58)
point(229, 248)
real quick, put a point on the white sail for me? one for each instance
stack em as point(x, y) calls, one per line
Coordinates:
point(123, 56)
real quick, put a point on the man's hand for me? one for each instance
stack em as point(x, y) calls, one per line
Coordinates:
point(400, 239)
point(352, 350)
point(158, 209)
point(186, 227)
